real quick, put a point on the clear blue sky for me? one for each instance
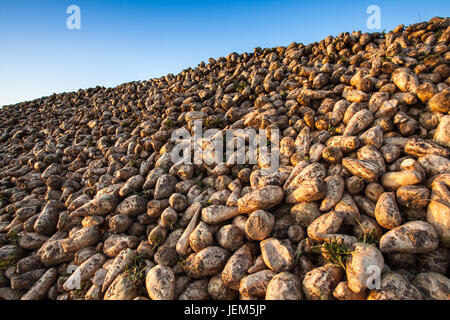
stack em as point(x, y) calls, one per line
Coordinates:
point(123, 41)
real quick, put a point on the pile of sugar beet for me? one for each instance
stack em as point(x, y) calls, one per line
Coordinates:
point(92, 206)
